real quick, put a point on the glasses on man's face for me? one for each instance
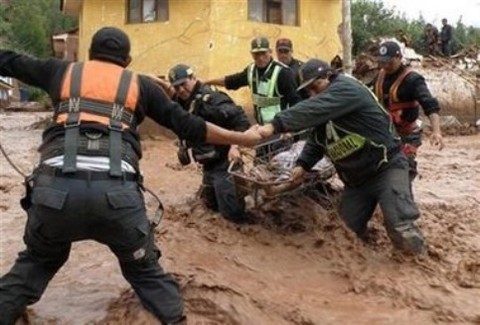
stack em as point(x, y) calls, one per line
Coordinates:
point(283, 51)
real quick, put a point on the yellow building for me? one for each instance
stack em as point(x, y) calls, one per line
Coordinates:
point(213, 36)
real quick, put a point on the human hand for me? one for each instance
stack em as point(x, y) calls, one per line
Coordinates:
point(266, 130)
point(436, 140)
point(297, 174)
point(252, 136)
point(162, 82)
point(234, 154)
point(286, 136)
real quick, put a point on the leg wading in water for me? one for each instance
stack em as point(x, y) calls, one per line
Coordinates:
point(391, 190)
point(88, 185)
point(112, 212)
point(410, 144)
point(219, 194)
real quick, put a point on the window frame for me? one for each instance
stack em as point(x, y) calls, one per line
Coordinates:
point(266, 7)
point(159, 5)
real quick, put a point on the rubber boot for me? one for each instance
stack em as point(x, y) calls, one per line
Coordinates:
point(408, 238)
point(181, 321)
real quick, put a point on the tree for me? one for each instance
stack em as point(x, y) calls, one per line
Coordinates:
point(29, 24)
point(371, 19)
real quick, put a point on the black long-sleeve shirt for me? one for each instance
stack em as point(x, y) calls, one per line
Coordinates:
point(218, 108)
point(446, 33)
point(48, 74)
point(412, 88)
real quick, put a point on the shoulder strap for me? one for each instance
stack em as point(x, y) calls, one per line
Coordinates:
point(73, 119)
point(115, 127)
point(393, 94)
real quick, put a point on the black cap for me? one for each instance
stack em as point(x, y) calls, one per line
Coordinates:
point(259, 44)
point(284, 44)
point(179, 74)
point(111, 44)
point(312, 70)
point(388, 50)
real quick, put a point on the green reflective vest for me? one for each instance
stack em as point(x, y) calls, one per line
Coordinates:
point(265, 102)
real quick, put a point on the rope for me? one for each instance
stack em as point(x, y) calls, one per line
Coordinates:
point(11, 162)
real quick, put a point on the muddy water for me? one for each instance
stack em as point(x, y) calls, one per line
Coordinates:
point(270, 273)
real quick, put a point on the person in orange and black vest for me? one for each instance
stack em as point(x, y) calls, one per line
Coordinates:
point(402, 91)
point(218, 191)
point(88, 184)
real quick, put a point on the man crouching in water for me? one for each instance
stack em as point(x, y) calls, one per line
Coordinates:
point(355, 132)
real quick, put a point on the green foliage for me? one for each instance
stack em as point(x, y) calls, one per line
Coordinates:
point(27, 25)
point(372, 20)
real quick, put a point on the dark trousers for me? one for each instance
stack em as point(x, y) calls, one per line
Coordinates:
point(446, 48)
point(111, 212)
point(410, 144)
point(219, 193)
point(390, 188)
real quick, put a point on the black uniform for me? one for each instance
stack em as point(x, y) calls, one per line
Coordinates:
point(446, 35)
point(295, 65)
point(355, 132)
point(218, 191)
point(412, 89)
point(86, 204)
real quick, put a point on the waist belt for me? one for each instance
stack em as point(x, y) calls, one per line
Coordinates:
point(87, 174)
point(89, 144)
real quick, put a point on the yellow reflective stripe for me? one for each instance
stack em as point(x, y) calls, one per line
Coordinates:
point(272, 83)
point(263, 101)
point(250, 75)
point(345, 146)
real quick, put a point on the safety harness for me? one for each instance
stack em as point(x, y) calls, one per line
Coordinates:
point(395, 106)
point(86, 99)
point(266, 103)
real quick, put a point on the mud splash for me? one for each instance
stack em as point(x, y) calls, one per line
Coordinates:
point(297, 265)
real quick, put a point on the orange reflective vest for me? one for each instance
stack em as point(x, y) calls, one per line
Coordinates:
point(101, 93)
point(395, 106)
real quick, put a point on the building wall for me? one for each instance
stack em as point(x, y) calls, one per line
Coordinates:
point(213, 36)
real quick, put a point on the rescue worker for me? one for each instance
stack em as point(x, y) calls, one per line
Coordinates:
point(431, 39)
point(218, 191)
point(272, 84)
point(355, 132)
point(273, 89)
point(446, 35)
point(284, 51)
point(88, 184)
point(402, 91)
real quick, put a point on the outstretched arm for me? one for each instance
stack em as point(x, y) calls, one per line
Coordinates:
point(436, 138)
point(216, 81)
point(218, 135)
point(164, 84)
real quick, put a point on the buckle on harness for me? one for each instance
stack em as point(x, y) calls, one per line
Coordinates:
point(71, 124)
point(115, 125)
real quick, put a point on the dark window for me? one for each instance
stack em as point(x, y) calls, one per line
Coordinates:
point(144, 11)
point(281, 12)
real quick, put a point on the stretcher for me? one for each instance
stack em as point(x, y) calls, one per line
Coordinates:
point(265, 173)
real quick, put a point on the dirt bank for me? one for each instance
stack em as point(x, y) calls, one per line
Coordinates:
point(269, 273)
